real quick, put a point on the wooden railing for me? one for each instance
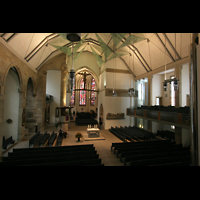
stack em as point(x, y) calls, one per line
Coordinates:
point(168, 117)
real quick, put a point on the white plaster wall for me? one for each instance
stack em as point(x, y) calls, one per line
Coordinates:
point(121, 81)
point(117, 105)
point(156, 87)
point(87, 59)
point(185, 83)
point(116, 63)
point(53, 87)
point(11, 107)
point(166, 94)
point(102, 81)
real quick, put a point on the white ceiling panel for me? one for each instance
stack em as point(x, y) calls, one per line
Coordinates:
point(146, 55)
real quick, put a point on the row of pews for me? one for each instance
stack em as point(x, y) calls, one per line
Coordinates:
point(7, 142)
point(131, 133)
point(45, 139)
point(75, 155)
point(152, 153)
point(166, 134)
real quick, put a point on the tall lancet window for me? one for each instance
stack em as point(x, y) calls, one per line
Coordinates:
point(82, 100)
point(93, 94)
point(73, 96)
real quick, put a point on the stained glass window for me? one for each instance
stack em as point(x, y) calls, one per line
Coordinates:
point(93, 95)
point(82, 100)
point(73, 96)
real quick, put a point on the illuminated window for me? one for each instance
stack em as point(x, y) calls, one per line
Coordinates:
point(73, 96)
point(172, 92)
point(82, 99)
point(93, 94)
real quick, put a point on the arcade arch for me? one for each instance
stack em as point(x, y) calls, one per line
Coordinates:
point(12, 104)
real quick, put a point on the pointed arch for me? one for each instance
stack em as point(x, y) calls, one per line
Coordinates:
point(14, 66)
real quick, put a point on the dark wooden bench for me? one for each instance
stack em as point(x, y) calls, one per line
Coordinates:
point(7, 141)
point(90, 162)
point(159, 147)
point(147, 151)
point(180, 152)
point(52, 138)
point(59, 140)
point(53, 149)
point(34, 139)
point(74, 155)
point(114, 132)
point(41, 161)
point(13, 156)
point(44, 138)
point(145, 143)
point(156, 161)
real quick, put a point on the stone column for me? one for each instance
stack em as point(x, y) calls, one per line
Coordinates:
point(63, 86)
point(149, 90)
point(22, 102)
point(178, 92)
point(150, 100)
point(40, 100)
point(1, 120)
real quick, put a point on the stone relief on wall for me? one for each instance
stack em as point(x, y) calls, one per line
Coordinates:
point(115, 116)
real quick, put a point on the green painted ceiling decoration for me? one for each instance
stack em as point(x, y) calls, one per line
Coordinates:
point(98, 58)
point(117, 37)
point(132, 39)
point(105, 48)
point(112, 45)
point(142, 53)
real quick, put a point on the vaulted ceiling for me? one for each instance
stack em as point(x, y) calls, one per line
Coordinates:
point(141, 52)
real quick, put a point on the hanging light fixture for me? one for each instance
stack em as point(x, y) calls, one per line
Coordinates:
point(74, 37)
point(175, 80)
point(165, 85)
point(114, 74)
point(131, 92)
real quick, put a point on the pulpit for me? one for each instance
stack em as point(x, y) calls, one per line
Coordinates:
point(64, 118)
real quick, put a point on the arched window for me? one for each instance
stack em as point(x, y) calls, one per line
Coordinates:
point(93, 94)
point(73, 96)
point(82, 99)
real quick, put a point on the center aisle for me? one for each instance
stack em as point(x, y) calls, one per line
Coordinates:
point(102, 146)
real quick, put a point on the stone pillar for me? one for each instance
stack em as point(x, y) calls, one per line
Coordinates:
point(1, 122)
point(63, 86)
point(149, 90)
point(22, 102)
point(40, 100)
point(150, 100)
point(178, 92)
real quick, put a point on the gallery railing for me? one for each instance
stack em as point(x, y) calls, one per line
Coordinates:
point(176, 116)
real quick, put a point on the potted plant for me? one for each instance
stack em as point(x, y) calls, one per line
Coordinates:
point(78, 135)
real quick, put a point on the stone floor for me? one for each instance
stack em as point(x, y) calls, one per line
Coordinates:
point(103, 147)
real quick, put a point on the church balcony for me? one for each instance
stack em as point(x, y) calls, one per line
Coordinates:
point(179, 117)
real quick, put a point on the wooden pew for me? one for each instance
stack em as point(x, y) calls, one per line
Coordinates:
point(7, 141)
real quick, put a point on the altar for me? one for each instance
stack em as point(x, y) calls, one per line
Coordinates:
point(93, 132)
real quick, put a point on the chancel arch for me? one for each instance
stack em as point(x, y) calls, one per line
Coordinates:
point(83, 89)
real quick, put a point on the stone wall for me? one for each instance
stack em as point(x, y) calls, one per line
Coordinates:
point(8, 60)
